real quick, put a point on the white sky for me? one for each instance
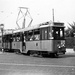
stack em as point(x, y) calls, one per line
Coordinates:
point(40, 10)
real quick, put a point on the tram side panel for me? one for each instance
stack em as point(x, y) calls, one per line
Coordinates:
point(47, 45)
point(41, 46)
point(7, 46)
point(17, 46)
point(33, 46)
point(0, 43)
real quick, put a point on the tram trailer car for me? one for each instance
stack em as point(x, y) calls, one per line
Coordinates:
point(17, 41)
point(47, 38)
point(7, 42)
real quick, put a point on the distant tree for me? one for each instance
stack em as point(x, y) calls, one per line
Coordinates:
point(68, 32)
point(71, 30)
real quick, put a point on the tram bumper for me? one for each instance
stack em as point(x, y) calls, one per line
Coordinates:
point(61, 50)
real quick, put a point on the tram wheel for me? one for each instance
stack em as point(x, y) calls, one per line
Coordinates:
point(31, 53)
point(17, 52)
point(63, 52)
point(56, 55)
point(52, 54)
point(28, 53)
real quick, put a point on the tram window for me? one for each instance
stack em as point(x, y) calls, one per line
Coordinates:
point(44, 33)
point(9, 38)
point(19, 37)
point(14, 37)
point(30, 35)
point(50, 33)
point(58, 32)
point(61, 33)
point(26, 36)
point(36, 34)
point(4, 38)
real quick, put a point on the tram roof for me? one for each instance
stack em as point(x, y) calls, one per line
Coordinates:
point(47, 24)
point(26, 29)
point(8, 31)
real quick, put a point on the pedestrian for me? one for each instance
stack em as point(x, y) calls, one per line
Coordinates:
point(2, 50)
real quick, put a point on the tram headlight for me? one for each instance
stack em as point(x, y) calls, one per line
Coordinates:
point(58, 45)
point(63, 43)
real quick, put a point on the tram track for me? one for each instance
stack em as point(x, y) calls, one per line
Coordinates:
point(36, 65)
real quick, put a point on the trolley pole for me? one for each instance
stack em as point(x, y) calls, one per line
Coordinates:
point(53, 14)
point(2, 28)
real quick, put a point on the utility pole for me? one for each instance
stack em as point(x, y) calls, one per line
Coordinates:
point(2, 28)
point(53, 14)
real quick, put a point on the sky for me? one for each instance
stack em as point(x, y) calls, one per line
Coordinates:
point(40, 11)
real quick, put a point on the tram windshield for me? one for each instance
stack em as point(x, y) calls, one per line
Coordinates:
point(57, 33)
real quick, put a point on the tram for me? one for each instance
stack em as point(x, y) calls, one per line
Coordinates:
point(46, 38)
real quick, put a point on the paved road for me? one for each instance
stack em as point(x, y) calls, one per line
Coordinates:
point(16, 64)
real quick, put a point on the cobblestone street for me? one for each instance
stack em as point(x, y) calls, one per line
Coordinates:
point(18, 64)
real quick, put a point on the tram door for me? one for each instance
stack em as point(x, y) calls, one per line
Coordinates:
point(23, 43)
point(10, 42)
point(44, 39)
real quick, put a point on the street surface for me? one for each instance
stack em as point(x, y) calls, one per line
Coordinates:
point(18, 64)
